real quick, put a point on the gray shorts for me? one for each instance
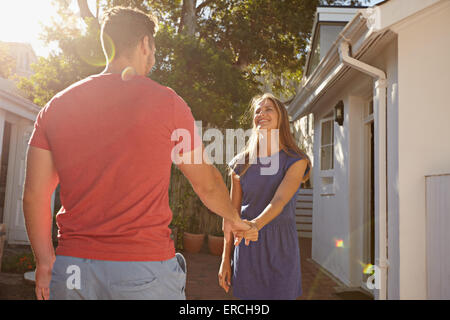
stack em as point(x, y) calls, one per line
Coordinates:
point(76, 278)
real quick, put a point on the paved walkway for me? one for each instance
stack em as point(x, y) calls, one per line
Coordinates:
point(202, 283)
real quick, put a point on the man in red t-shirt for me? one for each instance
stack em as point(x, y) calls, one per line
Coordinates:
point(108, 141)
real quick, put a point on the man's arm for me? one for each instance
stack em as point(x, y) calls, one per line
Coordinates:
point(40, 182)
point(236, 201)
point(208, 184)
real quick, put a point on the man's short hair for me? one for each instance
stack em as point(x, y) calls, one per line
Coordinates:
point(126, 26)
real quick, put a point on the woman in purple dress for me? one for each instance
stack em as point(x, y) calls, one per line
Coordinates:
point(266, 177)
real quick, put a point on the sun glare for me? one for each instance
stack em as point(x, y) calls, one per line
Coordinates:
point(20, 21)
point(23, 21)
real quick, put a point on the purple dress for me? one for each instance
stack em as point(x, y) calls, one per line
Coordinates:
point(269, 268)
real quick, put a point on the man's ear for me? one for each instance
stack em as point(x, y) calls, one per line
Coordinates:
point(145, 45)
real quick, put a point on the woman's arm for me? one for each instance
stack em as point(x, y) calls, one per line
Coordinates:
point(286, 190)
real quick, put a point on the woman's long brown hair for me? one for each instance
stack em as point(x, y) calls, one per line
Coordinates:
point(287, 141)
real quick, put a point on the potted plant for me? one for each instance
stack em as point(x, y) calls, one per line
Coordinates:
point(193, 235)
point(215, 236)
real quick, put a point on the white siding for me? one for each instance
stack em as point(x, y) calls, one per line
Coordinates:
point(303, 213)
point(438, 236)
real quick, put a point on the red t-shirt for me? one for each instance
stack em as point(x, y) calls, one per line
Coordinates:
point(111, 141)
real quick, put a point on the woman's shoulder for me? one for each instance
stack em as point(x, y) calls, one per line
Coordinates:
point(292, 154)
point(294, 157)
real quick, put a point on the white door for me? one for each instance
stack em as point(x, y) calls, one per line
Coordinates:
point(17, 232)
point(438, 236)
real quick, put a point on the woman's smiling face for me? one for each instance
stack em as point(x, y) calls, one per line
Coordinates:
point(266, 115)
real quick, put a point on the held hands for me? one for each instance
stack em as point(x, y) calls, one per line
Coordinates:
point(249, 234)
point(241, 229)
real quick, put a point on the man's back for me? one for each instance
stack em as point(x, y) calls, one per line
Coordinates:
point(111, 143)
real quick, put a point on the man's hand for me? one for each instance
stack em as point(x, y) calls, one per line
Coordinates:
point(43, 277)
point(242, 229)
point(235, 226)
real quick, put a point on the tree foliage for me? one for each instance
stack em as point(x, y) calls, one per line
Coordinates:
point(81, 55)
point(217, 91)
point(214, 53)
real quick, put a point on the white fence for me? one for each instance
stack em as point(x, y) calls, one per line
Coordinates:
point(303, 213)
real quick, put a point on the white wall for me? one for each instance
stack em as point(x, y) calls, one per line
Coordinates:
point(417, 65)
point(356, 190)
point(424, 114)
point(341, 216)
point(331, 220)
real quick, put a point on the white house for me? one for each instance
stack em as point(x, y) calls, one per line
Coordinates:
point(376, 97)
point(17, 116)
point(24, 56)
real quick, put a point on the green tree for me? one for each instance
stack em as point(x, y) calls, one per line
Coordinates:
point(267, 39)
point(80, 55)
point(214, 53)
point(217, 92)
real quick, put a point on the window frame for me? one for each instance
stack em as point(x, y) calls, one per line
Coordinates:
point(322, 121)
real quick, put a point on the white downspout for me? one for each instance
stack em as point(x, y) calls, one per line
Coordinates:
point(379, 101)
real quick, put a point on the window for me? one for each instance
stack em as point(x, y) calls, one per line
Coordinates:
point(327, 144)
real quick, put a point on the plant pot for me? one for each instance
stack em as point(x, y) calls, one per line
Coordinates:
point(215, 245)
point(192, 242)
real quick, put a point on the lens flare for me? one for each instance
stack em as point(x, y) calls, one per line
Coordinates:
point(339, 243)
point(128, 73)
point(368, 269)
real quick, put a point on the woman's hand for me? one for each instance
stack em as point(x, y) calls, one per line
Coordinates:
point(225, 274)
point(248, 235)
point(252, 234)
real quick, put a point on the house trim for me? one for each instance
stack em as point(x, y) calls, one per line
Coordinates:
point(18, 105)
point(364, 31)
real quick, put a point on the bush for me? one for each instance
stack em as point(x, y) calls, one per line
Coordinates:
point(18, 263)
